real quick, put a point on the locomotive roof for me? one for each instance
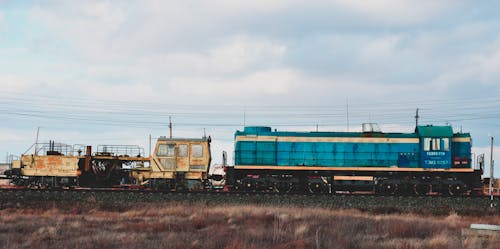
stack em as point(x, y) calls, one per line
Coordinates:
point(162, 138)
point(435, 131)
point(266, 131)
point(421, 131)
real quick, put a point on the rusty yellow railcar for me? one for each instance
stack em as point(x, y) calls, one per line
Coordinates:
point(51, 169)
point(177, 164)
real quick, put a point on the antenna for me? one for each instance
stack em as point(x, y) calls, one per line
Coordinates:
point(492, 162)
point(416, 118)
point(170, 125)
point(149, 145)
point(36, 141)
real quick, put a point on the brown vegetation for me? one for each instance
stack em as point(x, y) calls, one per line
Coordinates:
point(171, 225)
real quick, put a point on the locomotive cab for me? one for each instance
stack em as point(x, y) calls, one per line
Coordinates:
point(435, 146)
point(180, 164)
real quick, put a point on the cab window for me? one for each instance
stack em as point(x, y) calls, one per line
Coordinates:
point(197, 150)
point(427, 144)
point(446, 144)
point(436, 144)
point(166, 150)
point(182, 150)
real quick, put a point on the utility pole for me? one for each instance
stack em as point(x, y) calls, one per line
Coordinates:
point(170, 125)
point(416, 118)
point(149, 145)
point(36, 141)
point(491, 173)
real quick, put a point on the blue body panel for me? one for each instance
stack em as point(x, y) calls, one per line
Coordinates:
point(326, 154)
point(262, 146)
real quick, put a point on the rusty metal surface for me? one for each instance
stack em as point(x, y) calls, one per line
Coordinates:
point(54, 165)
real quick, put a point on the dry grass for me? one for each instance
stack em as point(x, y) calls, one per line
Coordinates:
point(237, 226)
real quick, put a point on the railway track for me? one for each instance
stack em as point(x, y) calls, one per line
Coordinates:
point(123, 199)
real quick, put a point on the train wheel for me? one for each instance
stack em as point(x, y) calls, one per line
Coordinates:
point(388, 188)
point(317, 187)
point(457, 188)
point(283, 187)
point(422, 188)
point(249, 185)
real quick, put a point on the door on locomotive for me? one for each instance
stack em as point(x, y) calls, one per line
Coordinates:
point(180, 164)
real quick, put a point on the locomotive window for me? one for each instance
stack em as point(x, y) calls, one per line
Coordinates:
point(183, 150)
point(427, 144)
point(170, 149)
point(165, 150)
point(197, 150)
point(436, 144)
point(446, 144)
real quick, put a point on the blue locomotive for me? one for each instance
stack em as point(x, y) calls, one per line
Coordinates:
point(432, 159)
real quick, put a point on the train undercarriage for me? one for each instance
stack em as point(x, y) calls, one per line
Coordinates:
point(383, 183)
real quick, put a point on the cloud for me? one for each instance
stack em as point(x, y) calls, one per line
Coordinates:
point(254, 87)
point(479, 66)
point(106, 31)
point(397, 13)
point(235, 55)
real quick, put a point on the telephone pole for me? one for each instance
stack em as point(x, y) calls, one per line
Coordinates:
point(492, 162)
point(416, 118)
point(170, 125)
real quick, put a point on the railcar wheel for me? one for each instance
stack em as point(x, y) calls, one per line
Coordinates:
point(283, 187)
point(422, 188)
point(249, 185)
point(389, 188)
point(457, 188)
point(317, 187)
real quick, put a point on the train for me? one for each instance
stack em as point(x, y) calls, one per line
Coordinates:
point(432, 160)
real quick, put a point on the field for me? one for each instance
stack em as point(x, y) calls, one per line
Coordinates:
point(200, 225)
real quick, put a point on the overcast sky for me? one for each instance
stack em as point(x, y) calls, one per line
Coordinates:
point(112, 72)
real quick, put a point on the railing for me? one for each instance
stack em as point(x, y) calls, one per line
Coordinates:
point(53, 148)
point(10, 158)
point(120, 150)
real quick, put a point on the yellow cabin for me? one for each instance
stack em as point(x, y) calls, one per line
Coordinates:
point(177, 164)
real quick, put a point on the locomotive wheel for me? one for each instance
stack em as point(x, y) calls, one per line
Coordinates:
point(317, 187)
point(457, 188)
point(389, 188)
point(249, 185)
point(283, 187)
point(422, 188)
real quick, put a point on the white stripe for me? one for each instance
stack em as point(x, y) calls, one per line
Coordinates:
point(327, 139)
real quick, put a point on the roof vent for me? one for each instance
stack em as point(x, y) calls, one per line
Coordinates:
point(371, 127)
